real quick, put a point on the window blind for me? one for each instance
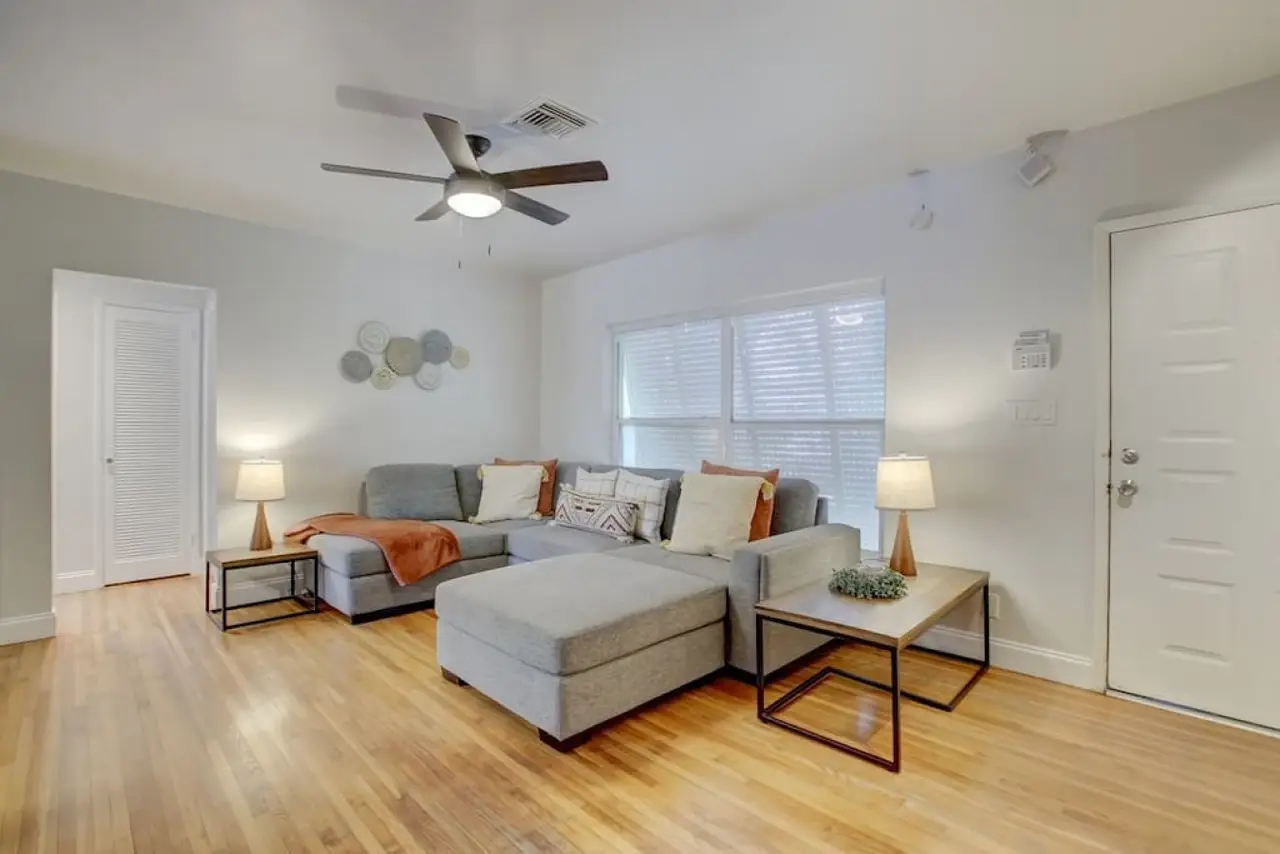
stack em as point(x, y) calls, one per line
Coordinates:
point(671, 371)
point(821, 363)
point(807, 392)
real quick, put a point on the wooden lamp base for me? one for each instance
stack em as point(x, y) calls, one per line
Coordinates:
point(261, 539)
point(903, 559)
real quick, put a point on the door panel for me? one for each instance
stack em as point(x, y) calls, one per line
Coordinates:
point(150, 418)
point(1194, 388)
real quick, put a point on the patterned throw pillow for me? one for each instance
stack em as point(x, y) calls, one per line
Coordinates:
point(651, 495)
point(599, 514)
point(597, 483)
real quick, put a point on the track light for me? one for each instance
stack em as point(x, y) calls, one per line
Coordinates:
point(1037, 166)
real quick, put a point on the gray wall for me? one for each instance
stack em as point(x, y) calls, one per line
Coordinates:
point(288, 306)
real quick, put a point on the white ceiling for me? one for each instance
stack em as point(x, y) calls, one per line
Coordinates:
point(711, 111)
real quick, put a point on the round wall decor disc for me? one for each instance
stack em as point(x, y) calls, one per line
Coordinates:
point(436, 346)
point(373, 337)
point(383, 378)
point(461, 357)
point(429, 377)
point(355, 366)
point(404, 356)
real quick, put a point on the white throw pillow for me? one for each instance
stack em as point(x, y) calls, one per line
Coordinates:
point(651, 495)
point(714, 515)
point(596, 483)
point(509, 492)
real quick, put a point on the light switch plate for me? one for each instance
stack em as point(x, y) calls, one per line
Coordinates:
point(1035, 413)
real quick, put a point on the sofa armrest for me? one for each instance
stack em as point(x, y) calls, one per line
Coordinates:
point(780, 564)
point(777, 565)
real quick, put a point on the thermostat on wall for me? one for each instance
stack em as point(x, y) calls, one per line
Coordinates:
point(1032, 351)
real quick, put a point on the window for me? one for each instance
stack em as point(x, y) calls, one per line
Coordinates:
point(800, 388)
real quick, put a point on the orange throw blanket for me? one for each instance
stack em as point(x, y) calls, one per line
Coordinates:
point(413, 549)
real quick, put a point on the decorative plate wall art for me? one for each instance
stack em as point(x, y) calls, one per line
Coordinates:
point(383, 359)
point(356, 366)
point(373, 337)
point(437, 346)
point(404, 356)
point(383, 378)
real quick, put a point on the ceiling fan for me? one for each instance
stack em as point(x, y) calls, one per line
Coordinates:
point(472, 192)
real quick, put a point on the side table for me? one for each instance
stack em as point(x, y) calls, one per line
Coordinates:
point(228, 560)
point(891, 625)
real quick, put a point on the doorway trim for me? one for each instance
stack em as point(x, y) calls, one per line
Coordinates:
point(1102, 399)
point(94, 291)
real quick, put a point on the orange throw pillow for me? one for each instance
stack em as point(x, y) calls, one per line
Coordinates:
point(546, 498)
point(763, 518)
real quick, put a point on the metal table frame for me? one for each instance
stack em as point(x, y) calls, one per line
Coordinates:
point(769, 713)
point(308, 598)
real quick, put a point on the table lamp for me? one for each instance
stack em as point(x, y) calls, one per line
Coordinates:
point(904, 483)
point(260, 481)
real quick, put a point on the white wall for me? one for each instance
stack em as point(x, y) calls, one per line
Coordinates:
point(288, 307)
point(1000, 258)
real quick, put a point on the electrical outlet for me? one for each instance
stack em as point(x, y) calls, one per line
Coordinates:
point(994, 605)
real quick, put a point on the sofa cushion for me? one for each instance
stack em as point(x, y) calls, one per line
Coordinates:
point(567, 472)
point(580, 611)
point(547, 541)
point(506, 526)
point(467, 479)
point(477, 540)
point(795, 505)
point(351, 557)
point(413, 491)
point(703, 566)
point(672, 476)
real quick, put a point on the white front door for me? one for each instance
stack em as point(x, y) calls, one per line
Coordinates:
point(151, 388)
point(1195, 397)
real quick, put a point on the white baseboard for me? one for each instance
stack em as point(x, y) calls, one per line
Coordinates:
point(28, 627)
point(1036, 661)
point(76, 582)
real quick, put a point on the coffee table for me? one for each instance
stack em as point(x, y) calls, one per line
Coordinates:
point(891, 625)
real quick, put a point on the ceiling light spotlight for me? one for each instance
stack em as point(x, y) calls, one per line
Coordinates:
point(922, 217)
point(1037, 166)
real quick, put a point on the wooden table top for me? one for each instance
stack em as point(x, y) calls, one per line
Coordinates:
point(934, 593)
point(242, 557)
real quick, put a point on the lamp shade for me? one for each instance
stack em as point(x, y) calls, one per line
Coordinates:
point(904, 483)
point(260, 480)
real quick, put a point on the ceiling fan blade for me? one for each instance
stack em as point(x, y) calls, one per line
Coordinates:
point(454, 142)
point(436, 211)
point(546, 176)
point(380, 173)
point(527, 206)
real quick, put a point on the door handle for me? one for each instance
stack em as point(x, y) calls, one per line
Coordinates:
point(1127, 489)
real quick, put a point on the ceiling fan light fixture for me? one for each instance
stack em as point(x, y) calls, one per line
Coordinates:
point(475, 205)
point(473, 197)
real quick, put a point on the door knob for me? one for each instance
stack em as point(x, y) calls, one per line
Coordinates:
point(1127, 489)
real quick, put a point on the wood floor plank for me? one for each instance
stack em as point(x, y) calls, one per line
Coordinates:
point(142, 728)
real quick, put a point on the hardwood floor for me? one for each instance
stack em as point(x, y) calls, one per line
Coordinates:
point(142, 728)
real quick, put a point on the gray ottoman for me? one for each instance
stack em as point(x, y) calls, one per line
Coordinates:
point(571, 642)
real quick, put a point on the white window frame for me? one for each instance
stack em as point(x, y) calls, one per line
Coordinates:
point(724, 424)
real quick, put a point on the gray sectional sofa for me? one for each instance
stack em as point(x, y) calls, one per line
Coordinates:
point(801, 549)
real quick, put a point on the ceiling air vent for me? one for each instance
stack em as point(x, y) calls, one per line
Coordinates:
point(547, 118)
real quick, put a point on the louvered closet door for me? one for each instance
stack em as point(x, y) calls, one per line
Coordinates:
point(151, 422)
